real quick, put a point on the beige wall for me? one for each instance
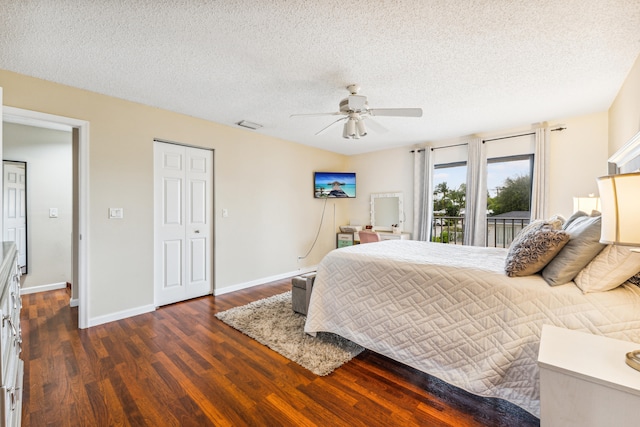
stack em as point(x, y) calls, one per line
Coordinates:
point(387, 171)
point(578, 157)
point(49, 185)
point(265, 183)
point(624, 114)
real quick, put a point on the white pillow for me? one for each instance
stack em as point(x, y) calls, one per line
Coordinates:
point(609, 269)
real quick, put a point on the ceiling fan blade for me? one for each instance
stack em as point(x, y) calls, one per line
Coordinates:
point(396, 112)
point(375, 126)
point(316, 114)
point(331, 124)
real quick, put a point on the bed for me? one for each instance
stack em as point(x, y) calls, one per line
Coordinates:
point(452, 312)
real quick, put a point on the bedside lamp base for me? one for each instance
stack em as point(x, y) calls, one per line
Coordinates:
point(633, 359)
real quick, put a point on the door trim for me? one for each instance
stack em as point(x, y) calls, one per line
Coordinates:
point(35, 118)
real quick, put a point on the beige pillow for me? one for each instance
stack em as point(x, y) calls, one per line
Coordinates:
point(572, 218)
point(583, 246)
point(609, 269)
point(534, 247)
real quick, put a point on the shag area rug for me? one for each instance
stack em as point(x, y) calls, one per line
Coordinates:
point(272, 322)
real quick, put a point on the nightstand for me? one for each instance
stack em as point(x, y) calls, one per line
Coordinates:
point(584, 380)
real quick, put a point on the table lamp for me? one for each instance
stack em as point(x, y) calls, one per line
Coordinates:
point(620, 205)
point(586, 204)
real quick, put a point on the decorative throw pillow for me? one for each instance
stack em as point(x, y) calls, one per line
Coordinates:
point(572, 218)
point(582, 247)
point(558, 217)
point(534, 247)
point(634, 279)
point(609, 269)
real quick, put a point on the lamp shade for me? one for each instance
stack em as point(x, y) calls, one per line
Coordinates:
point(620, 200)
point(586, 204)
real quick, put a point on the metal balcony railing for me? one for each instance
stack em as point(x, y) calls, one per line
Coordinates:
point(448, 229)
point(500, 231)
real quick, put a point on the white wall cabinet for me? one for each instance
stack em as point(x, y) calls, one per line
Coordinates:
point(11, 366)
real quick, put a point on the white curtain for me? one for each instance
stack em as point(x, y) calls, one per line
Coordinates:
point(540, 178)
point(475, 217)
point(422, 194)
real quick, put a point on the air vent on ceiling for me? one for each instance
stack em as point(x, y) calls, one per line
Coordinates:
point(249, 125)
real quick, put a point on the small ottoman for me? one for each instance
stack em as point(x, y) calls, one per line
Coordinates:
point(301, 287)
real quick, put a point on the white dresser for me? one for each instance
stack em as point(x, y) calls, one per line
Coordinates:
point(584, 380)
point(11, 367)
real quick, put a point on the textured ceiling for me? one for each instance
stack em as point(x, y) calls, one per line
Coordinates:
point(472, 66)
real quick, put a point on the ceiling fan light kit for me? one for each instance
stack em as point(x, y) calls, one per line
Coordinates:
point(360, 127)
point(355, 109)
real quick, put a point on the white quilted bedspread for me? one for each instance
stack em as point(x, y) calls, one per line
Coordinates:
point(451, 312)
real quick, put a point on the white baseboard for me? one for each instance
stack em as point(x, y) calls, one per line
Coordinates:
point(42, 288)
point(151, 307)
point(73, 302)
point(257, 282)
point(112, 317)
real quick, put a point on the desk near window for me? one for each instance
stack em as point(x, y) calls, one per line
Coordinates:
point(349, 239)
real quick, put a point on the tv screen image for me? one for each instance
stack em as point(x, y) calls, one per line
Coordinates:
point(334, 184)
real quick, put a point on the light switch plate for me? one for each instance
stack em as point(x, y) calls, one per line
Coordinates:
point(116, 213)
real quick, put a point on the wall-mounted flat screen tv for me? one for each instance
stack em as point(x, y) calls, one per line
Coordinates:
point(334, 184)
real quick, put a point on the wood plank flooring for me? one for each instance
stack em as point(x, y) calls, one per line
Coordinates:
point(180, 366)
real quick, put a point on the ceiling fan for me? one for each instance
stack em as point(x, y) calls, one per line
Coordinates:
point(355, 109)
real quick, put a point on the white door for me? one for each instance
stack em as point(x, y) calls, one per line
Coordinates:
point(183, 222)
point(15, 209)
point(1, 132)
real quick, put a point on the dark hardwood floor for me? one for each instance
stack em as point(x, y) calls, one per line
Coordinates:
point(180, 366)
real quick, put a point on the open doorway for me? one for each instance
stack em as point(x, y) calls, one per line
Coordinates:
point(41, 212)
point(78, 130)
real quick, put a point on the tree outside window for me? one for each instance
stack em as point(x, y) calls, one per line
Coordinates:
point(508, 198)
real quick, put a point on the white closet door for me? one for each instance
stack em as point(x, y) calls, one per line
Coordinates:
point(183, 222)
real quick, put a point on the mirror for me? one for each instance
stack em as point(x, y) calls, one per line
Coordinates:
point(386, 210)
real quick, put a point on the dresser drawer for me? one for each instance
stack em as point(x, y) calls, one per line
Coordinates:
point(11, 395)
point(10, 334)
point(11, 367)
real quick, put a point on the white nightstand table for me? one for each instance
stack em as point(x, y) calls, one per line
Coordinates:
point(584, 380)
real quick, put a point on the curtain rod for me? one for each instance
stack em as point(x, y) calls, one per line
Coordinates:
point(508, 137)
point(558, 129)
point(437, 148)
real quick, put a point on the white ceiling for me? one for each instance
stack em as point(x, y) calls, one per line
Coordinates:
point(472, 66)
